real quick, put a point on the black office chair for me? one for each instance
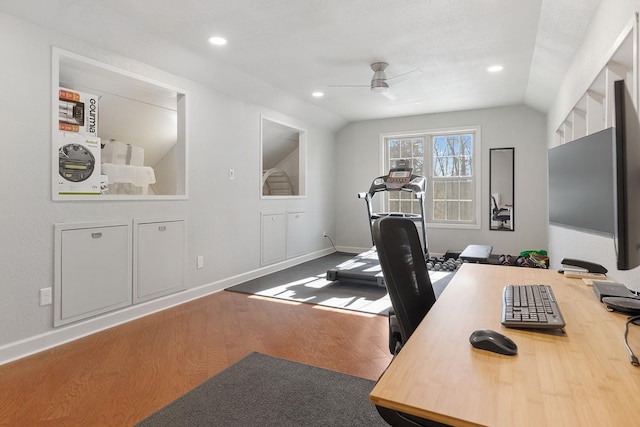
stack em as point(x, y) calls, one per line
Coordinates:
point(500, 214)
point(407, 280)
point(405, 275)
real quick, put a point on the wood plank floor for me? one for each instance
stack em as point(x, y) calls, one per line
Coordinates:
point(119, 376)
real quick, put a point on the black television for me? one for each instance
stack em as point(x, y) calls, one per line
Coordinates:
point(581, 184)
point(627, 166)
point(594, 182)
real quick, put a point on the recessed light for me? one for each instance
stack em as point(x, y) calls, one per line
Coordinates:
point(217, 40)
point(495, 68)
point(317, 94)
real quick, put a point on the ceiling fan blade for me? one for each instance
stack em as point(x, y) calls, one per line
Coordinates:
point(348, 85)
point(405, 76)
point(389, 94)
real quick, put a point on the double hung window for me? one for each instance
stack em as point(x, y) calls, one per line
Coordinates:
point(449, 159)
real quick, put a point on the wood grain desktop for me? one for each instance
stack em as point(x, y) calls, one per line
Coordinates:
point(582, 377)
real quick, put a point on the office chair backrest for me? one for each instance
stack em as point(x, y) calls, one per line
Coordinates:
point(496, 209)
point(405, 271)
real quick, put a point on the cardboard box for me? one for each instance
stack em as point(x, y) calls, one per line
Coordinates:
point(77, 112)
point(119, 153)
point(78, 164)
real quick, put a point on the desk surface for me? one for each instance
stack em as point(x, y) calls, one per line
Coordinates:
point(580, 378)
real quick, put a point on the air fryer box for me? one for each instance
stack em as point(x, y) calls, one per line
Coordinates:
point(77, 112)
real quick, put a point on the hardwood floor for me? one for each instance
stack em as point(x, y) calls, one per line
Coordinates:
point(120, 376)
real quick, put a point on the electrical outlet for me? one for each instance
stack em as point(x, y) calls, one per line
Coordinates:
point(324, 234)
point(45, 296)
point(200, 261)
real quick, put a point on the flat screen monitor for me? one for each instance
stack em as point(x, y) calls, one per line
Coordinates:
point(581, 184)
point(627, 178)
point(594, 182)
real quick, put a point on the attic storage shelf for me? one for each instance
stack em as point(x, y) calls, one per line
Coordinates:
point(113, 105)
point(104, 266)
point(594, 111)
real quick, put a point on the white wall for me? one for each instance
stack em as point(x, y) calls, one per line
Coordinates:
point(223, 217)
point(358, 162)
point(608, 23)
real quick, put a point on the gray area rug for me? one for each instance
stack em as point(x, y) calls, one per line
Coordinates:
point(307, 282)
point(263, 390)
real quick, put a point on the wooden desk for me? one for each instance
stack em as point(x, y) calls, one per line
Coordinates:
point(583, 378)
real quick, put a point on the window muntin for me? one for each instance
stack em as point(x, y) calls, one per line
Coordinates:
point(450, 162)
point(451, 178)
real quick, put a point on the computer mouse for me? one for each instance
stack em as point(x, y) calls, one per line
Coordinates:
point(486, 339)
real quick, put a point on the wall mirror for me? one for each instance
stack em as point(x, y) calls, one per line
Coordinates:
point(115, 134)
point(501, 177)
point(283, 160)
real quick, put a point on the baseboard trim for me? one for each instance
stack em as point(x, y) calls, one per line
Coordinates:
point(73, 331)
point(351, 249)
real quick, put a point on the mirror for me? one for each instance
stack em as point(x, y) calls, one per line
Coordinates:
point(501, 176)
point(139, 133)
point(283, 160)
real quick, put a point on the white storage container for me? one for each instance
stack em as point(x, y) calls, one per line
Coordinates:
point(126, 179)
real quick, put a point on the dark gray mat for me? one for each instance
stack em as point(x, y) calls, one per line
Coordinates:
point(307, 282)
point(268, 391)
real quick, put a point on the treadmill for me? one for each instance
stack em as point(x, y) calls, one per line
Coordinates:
point(365, 268)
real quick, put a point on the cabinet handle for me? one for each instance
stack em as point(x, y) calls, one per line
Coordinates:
point(96, 235)
point(162, 228)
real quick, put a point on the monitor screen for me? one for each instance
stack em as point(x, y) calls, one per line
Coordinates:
point(594, 182)
point(581, 184)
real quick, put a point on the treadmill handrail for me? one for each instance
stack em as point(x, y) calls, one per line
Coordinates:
point(417, 184)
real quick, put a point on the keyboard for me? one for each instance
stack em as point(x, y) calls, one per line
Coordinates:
point(530, 306)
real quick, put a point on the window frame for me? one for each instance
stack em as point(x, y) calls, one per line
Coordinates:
point(476, 176)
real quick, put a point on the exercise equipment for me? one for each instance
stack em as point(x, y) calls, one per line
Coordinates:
point(365, 268)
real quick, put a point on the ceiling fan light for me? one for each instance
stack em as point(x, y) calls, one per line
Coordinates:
point(379, 85)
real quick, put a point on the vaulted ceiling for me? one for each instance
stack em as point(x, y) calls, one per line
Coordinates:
point(302, 46)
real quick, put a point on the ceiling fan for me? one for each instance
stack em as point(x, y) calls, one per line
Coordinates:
point(380, 81)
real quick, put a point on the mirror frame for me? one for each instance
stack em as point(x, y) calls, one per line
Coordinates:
point(499, 171)
point(302, 159)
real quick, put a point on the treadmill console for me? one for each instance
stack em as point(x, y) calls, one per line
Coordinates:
point(398, 178)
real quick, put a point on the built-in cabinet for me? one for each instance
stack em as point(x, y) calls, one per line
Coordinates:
point(296, 227)
point(104, 266)
point(158, 259)
point(273, 237)
point(282, 236)
point(595, 110)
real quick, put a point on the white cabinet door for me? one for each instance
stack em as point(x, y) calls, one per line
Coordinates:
point(158, 265)
point(93, 270)
point(273, 237)
point(296, 231)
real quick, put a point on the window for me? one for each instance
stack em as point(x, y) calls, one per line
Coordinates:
point(449, 161)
